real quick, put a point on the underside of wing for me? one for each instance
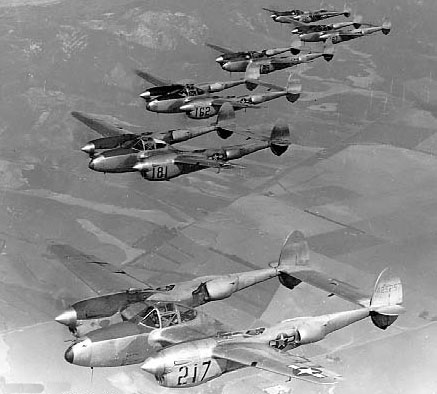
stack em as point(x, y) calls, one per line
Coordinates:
point(265, 358)
point(99, 276)
point(106, 125)
point(201, 161)
point(219, 48)
point(294, 261)
point(152, 78)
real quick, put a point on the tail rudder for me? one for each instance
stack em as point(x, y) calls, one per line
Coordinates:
point(347, 11)
point(386, 301)
point(293, 88)
point(225, 121)
point(386, 26)
point(358, 19)
point(296, 47)
point(294, 255)
point(280, 138)
point(252, 74)
point(328, 50)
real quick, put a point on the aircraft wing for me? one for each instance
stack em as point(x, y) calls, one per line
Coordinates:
point(294, 260)
point(219, 48)
point(99, 276)
point(268, 359)
point(153, 79)
point(201, 161)
point(105, 125)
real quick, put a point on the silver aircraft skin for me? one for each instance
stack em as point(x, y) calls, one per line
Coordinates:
point(125, 327)
point(340, 35)
point(117, 134)
point(314, 33)
point(305, 16)
point(232, 61)
point(192, 363)
point(203, 107)
point(164, 165)
point(164, 87)
point(255, 68)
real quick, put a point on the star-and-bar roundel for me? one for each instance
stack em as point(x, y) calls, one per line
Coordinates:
point(282, 341)
point(307, 371)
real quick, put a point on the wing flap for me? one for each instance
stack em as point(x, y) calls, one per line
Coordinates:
point(282, 363)
point(154, 80)
point(101, 277)
point(105, 125)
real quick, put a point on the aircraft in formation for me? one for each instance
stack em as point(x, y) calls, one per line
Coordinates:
point(184, 347)
point(156, 160)
point(131, 322)
point(206, 106)
point(306, 16)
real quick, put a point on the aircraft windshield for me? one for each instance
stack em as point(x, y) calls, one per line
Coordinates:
point(167, 314)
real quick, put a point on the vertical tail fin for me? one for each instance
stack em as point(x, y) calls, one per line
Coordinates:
point(294, 253)
point(328, 50)
point(386, 26)
point(293, 88)
point(347, 11)
point(386, 301)
point(225, 121)
point(280, 138)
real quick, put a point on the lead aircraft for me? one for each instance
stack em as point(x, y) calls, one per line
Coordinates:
point(184, 363)
point(306, 16)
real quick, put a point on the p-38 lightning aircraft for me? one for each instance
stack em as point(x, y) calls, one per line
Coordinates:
point(128, 140)
point(165, 87)
point(305, 16)
point(163, 165)
point(183, 363)
point(232, 61)
point(203, 107)
point(162, 162)
point(337, 36)
point(118, 327)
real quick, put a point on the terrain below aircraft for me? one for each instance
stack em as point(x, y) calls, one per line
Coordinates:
point(209, 106)
point(190, 363)
point(164, 165)
point(305, 16)
point(119, 328)
point(164, 87)
point(230, 60)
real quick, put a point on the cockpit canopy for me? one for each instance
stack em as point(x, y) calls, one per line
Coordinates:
point(165, 314)
point(146, 143)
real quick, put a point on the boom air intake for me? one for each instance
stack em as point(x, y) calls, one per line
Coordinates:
point(386, 301)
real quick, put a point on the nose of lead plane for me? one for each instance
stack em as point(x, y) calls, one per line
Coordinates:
point(145, 95)
point(79, 353)
point(220, 59)
point(94, 163)
point(67, 318)
point(152, 105)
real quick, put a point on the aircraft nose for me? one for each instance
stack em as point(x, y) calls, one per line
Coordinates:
point(153, 365)
point(186, 107)
point(219, 59)
point(67, 318)
point(152, 105)
point(145, 95)
point(69, 355)
point(89, 149)
point(94, 163)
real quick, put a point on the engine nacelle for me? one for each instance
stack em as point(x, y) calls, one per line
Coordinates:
point(110, 142)
point(309, 333)
point(215, 289)
point(216, 87)
point(257, 99)
point(232, 153)
point(180, 135)
point(221, 288)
